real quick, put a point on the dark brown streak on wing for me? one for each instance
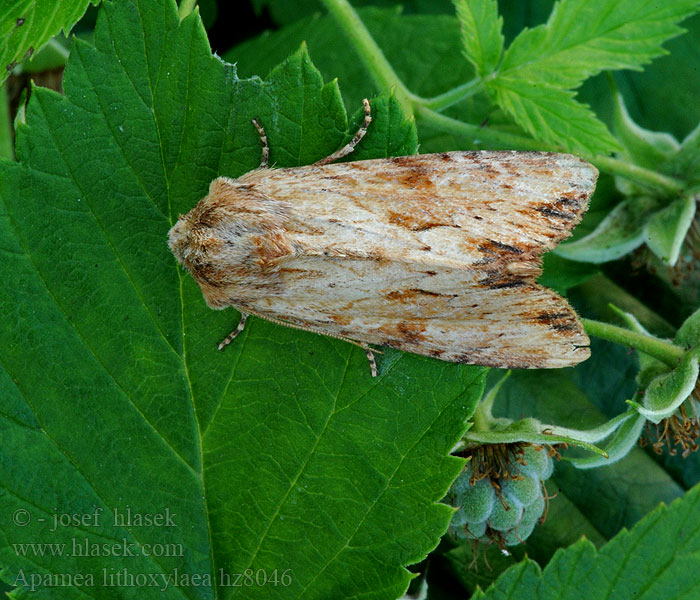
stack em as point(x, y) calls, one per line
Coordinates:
point(559, 321)
point(568, 207)
point(566, 327)
point(411, 295)
point(551, 212)
point(416, 222)
point(408, 172)
point(503, 283)
point(495, 247)
point(560, 216)
point(403, 332)
point(549, 318)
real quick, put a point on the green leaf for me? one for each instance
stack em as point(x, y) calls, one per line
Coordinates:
point(569, 397)
point(659, 557)
point(26, 25)
point(308, 114)
point(663, 96)
point(620, 232)
point(114, 396)
point(584, 37)
point(391, 133)
point(482, 35)
point(664, 389)
point(53, 55)
point(666, 229)
point(635, 221)
point(647, 148)
point(581, 38)
point(552, 115)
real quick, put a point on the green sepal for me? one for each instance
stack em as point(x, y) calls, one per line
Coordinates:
point(666, 229)
point(667, 392)
point(618, 447)
point(530, 431)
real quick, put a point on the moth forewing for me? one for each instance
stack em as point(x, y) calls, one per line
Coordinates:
point(433, 254)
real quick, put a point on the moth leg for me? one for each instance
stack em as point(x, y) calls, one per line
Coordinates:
point(265, 146)
point(232, 336)
point(350, 146)
point(370, 358)
point(244, 315)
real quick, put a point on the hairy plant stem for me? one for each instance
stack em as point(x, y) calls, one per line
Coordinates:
point(370, 53)
point(477, 134)
point(601, 294)
point(186, 7)
point(456, 94)
point(386, 80)
point(666, 352)
point(653, 179)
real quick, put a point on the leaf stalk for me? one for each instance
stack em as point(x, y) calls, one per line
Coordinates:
point(666, 352)
point(370, 53)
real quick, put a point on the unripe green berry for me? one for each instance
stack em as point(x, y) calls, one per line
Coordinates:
point(537, 463)
point(477, 530)
point(504, 518)
point(507, 499)
point(524, 491)
point(523, 530)
point(477, 501)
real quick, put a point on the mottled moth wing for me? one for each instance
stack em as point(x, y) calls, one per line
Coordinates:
point(433, 254)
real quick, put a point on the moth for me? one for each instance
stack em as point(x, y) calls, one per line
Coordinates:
point(434, 254)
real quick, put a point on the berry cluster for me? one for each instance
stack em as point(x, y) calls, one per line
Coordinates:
point(500, 495)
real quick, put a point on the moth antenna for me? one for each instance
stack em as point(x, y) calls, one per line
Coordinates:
point(263, 141)
point(350, 146)
point(232, 336)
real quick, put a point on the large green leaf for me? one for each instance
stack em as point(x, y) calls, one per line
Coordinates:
point(552, 115)
point(584, 37)
point(281, 455)
point(26, 25)
point(482, 35)
point(581, 38)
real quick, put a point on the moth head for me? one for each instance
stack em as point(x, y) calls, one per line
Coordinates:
point(228, 240)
